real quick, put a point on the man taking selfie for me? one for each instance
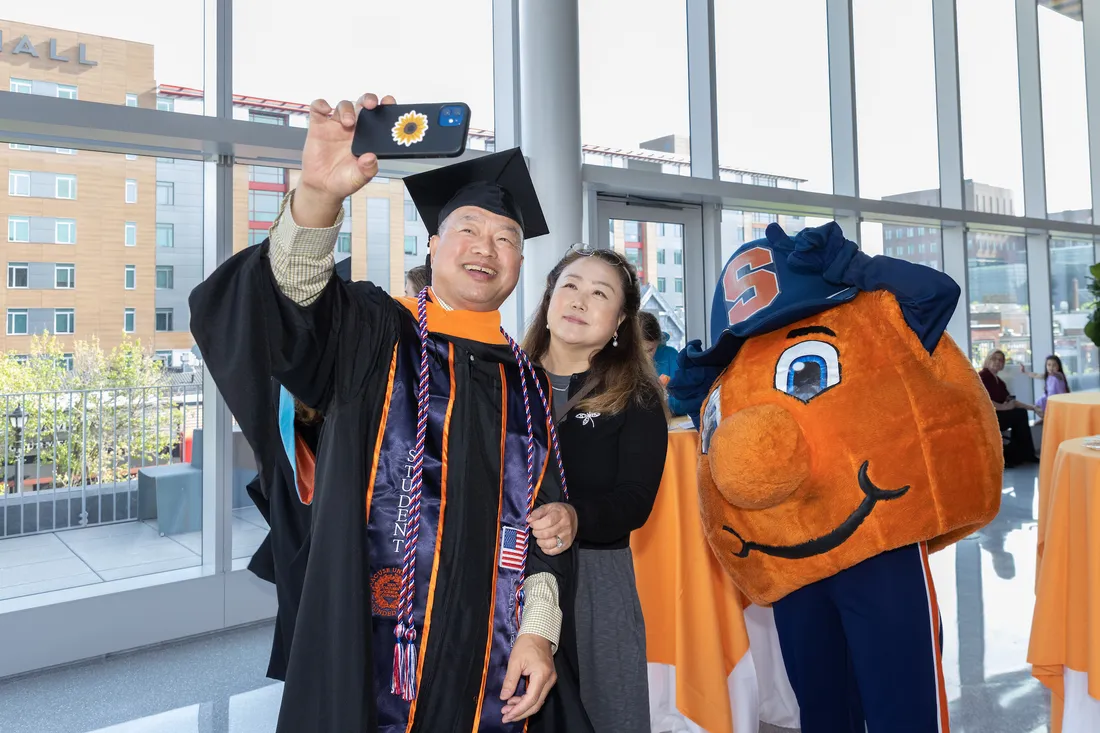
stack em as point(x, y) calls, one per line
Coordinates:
point(424, 606)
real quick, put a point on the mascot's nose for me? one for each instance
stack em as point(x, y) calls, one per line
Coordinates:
point(758, 457)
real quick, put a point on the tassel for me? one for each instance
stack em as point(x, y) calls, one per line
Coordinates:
point(409, 670)
point(396, 681)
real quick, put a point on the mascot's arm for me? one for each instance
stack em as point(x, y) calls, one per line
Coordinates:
point(927, 297)
point(691, 384)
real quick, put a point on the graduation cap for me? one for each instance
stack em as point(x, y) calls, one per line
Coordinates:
point(499, 183)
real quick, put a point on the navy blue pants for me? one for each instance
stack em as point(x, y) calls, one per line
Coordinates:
point(863, 647)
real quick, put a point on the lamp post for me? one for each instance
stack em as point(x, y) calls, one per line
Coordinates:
point(18, 419)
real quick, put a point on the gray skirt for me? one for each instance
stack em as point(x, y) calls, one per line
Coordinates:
point(611, 643)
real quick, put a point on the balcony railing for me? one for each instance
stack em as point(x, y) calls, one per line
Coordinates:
point(71, 458)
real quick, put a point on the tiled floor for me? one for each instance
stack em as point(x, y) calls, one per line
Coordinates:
point(985, 586)
point(76, 557)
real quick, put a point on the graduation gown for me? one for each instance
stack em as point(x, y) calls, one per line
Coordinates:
point(339, 355)
point(284, 501)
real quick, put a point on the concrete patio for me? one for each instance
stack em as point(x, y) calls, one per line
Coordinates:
point(77, 557)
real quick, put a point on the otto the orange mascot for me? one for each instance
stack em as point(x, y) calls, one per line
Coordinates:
point(844, 439)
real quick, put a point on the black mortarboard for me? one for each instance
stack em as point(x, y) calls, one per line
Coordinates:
point(499, 183)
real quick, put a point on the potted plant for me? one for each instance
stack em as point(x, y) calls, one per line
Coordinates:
point(1092, 328)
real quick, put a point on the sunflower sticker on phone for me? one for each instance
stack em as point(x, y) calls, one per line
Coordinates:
point(410, 128)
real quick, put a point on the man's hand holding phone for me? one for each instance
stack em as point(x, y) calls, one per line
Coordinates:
point(330, 172)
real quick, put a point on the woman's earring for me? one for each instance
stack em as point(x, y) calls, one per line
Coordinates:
point(615, 339)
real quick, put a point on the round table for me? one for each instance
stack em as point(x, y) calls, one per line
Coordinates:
point(715, 663)
point(1074, 415)
point(1065, 648)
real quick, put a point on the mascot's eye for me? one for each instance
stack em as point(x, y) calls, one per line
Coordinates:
point(807, 369)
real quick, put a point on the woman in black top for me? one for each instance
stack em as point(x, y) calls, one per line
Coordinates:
point(614, 435)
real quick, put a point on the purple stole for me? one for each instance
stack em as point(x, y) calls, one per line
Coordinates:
point(389, 529)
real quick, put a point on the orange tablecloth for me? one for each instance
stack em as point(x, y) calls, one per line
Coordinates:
point(693, 614)
point(1065, 630)
point(1074, 415)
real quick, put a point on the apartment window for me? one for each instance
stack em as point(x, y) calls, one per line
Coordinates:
point(128, 320)
point(256, 236)
point(64, 320)
point(166, 194)
point(17, 322)
point(343, 242)
point(660, 285)
point(130, 279)
point(131, 191)
point(410, 211)
point(19, 183)
point(65, 187)
point(131, 100)
point(263, 206)
point(65, 151)
point(410, 245)
point(660, 230)
point(166, 277)
point(131, 157)
point(19, 229)
point(266, 174)
point(347, 208)
point(19, 146)
point(164, 319)
point(660, 257)
point(888, 234)
point(66, 362)
point(65, 231)
point(166, 105)
point(17, 274)
point(678, 258)
point(21, 86)
point(166, 161)
point(679, 285)
point(64, 277)
point(166, 235)
point(267, 119)
point(64, 91)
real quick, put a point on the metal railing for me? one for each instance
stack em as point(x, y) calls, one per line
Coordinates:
point(71, 458)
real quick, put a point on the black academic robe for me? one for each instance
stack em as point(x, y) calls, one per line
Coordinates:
point(335, 355)
point(281, 557)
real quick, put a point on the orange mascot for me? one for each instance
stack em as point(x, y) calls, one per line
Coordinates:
point(844, 437)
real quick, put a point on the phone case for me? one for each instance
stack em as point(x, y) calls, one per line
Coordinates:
point(396, 131)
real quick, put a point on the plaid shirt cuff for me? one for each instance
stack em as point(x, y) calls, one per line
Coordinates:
point(541, 610)
point(302, 258)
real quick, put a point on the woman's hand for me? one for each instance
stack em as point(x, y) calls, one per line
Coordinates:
point(554, 526)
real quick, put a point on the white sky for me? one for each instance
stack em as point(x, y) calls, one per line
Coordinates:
point(772, 75)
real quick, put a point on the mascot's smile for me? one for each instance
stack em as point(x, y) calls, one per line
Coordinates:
point(832, 540)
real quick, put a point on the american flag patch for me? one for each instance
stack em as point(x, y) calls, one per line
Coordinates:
point(513, 544)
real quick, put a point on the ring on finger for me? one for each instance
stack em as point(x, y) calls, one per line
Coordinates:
point(560, 543)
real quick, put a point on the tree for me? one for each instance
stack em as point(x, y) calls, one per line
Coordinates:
point(95, 422)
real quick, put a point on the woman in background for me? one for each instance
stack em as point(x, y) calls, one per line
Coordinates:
point(614, 434)
point(416, 280)
point(1054, 381)
point(1011, 415)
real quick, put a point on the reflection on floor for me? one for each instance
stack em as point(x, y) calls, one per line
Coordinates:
point(76, 557)
point(216, 684)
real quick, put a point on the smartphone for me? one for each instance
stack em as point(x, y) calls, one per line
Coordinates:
point(395, 131)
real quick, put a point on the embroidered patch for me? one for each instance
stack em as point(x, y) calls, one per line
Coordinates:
point(410, 128)
point(385, 589)
point(588, 418)
point(712, 415)
point(513, 545)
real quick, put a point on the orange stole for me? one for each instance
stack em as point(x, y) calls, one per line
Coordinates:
point(307, 467)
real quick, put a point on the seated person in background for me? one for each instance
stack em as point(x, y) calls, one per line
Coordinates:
point(655, 343)
point(614, 436)
point(416, 280)
point(1011, 414)
point(1054, 381)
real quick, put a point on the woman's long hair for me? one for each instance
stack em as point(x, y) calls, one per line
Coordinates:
point(990, 355)
point(1061, 370)
point(623, 373)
